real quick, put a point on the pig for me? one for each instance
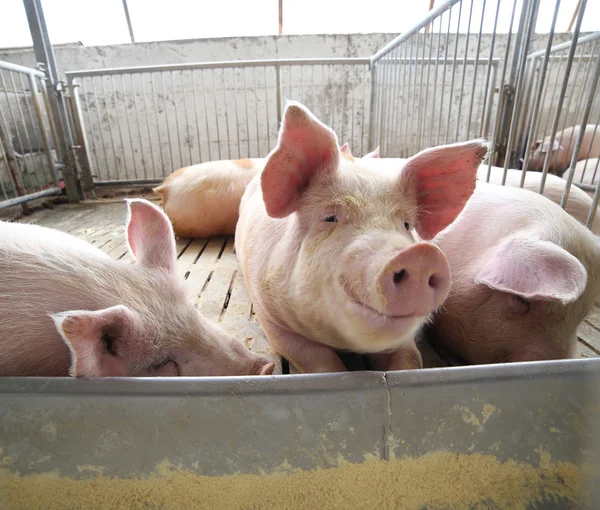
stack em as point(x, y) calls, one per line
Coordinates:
point(67, 308)
point(587, 171)
point(562, 148)
point(334, 252)
point(578, 204)
point(525, 274)
point(203, 200)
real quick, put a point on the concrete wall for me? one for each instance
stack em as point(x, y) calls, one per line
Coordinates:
point(148, 125)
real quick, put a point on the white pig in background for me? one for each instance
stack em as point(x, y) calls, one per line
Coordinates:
point(587, 171)
point(562, 148)
point(204, 200)
point(578, 204)
point(331, 249)
point(524, 276)
point(68, 308)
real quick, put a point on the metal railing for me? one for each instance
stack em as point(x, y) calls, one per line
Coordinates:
point(139, 124)
point(28, 166)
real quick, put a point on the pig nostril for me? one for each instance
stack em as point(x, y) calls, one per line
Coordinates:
point(434, 281)
point(399, 276)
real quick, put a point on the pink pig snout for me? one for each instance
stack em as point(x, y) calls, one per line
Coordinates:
point(415, 282)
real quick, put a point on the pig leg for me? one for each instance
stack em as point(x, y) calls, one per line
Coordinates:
point(306, 355)
point(407, 357)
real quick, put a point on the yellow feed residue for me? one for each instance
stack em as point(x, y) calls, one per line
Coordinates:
point(439, 480)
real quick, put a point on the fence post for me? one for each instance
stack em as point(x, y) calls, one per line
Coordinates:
point(372, 108)
point(45, 56)
point(13, 166)
point(82, 145)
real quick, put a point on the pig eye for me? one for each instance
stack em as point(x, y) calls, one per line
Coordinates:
point(331, 219)
point(406, 226)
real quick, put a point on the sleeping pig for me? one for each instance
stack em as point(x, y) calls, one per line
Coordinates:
point(204, 200)
point(524, 276)
point(68, 308)
point(331, 249)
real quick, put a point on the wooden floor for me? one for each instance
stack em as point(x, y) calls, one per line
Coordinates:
point(212, 277)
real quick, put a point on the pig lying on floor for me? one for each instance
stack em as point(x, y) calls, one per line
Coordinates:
point(68, 308)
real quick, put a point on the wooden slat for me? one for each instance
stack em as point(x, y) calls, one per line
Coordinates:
point(589, 335)
point(593, 318)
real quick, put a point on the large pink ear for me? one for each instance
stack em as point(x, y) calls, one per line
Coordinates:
point(372, 154)
point(306, 147)
point(150, 235)
point(97, 340)
point(346, 149)
point(535, 270)
point(443, 179)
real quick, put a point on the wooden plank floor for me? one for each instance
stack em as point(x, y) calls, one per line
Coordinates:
point(213, 280)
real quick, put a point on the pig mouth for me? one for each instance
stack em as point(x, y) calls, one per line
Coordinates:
point(377, 319)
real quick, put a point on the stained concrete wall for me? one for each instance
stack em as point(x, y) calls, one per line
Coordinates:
point(147, 125)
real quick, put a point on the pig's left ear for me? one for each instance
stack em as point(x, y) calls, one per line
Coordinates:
point(372, 154)
point(96, 340)
point(150, 235)
point(346, 149)
point(306, 148)
point(534, 270)
point(442, 180)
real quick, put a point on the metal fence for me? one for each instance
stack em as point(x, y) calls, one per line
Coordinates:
point(28, 165)
point(442, 82)
point(140, 124)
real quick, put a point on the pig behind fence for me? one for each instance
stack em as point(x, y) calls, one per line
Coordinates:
point(562, 148)
point(203, 200)
point(331, 249)
point(68, 308)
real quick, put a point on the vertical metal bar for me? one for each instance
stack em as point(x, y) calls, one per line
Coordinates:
point(563, 90)
point(226, 114)
point(206, 115)
point(128, 19)
point(246, 108)
point(491, 157)
point(278, 85)
point(51, 124)
point(464, 71)
point(216, 113)
point(391, 130)
point(589, 149)
point(584, 120)
point(36, 138)
point(187, 120)
point(177, 117)
point(267, 108)
point(129, 126)
point(408, 96)
point(435, 81)
point(110, 131)
point(420, 99)
point(95, 149)
point(519, 89)
point(437, 142)
point(425, 106)
point(331, 100)
point(256, 111)
point(80, 135)
point(164, 90)
point(490, 103)
point(37, 105)
point(538, 97)
point(453, 73)
point(343, 84)
point(114, 92)
point(477, 51)
point(362, 111)
point(34, 176)
point(372, 105)
point(3, 153)
point(489, 66)
point(237, 120)
point(160, 144)
point(554, 88)
point(200, 160)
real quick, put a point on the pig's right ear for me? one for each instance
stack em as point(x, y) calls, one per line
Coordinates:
point(534, 270)
point(346, 149)
point(443, 179)
point(97, 340)
point(306, 147)
point(150, 235)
